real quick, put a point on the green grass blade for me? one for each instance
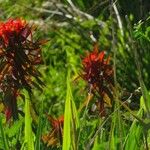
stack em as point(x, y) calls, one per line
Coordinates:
point(29, 140)
point(75, 114)
point(134, 136)
point(39, 130)
point(74, 125)
point(145, 104)
point(112, 140)
point(3, 135)
point(132, 140)
point(67, 117)
point(100, 142)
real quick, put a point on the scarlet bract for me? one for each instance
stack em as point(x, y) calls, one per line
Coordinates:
point(98, 73)
point(12, 31)
point(54, 137)
point(18, 56)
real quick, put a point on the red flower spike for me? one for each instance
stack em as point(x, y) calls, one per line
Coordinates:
point(11, 29)
point(56, 122)
point(54, 137)
point(99, 73)
point(18, 56)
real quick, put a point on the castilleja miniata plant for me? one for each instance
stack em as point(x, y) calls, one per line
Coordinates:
point(55, 136)
point(19, 54)
point(98, 73)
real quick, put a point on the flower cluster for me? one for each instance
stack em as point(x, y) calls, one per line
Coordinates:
point(54, 138)
point(99, 74)
point(18, 56)
point(10, 31)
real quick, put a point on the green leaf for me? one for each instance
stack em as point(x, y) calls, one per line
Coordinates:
point(14, 129)
point(67, 117)
point(145, 103)
point(132, 140)
point(39, 130)
point(29, 139)
point(4, 140)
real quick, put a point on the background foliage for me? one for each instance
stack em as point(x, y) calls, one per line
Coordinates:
point(122, 29)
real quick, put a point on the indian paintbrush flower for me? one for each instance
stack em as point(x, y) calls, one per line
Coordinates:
point(54, 137)
point(98, 73)
point(18, 56)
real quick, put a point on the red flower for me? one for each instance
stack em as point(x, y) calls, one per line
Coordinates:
point(12, 31)
point(54, 138)
point(99, 74)
point(18, 56)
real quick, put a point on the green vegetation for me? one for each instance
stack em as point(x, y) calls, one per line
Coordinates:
point(76, 97)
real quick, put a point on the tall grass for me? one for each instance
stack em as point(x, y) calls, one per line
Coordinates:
point(67, 117)
point(29, 137)
point(69, 28)
point(3, 136)
point(71, 122)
